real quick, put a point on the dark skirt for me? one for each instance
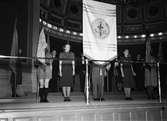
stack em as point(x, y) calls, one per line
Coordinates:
point(67, 78)
point(128, 80)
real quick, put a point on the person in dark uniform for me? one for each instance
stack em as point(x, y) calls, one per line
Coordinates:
point(67, 71)
point(98, 74)
point(19, 68)
point(82, 71)
point(127, 73)
point(13, 80)
point(117, 85)
point(139, 69)
point(53, 85)
point(18, 75)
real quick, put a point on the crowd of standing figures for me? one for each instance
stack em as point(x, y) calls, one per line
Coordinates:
point(62, 68)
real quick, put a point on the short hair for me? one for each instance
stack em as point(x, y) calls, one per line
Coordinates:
point(126, 50)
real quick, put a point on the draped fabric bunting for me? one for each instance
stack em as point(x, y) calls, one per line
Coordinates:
point(41, 46)
point(99, 31)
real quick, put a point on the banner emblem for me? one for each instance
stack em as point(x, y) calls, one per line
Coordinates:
point(100, 28)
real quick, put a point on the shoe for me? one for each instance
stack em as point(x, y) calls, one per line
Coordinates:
point(96, 99)
point(45, 95)
point(18, 95)
point(102, 99)
point(68, 99)
point(41, 100)
point(65, 99)
point(128, 98)
point(46, 101)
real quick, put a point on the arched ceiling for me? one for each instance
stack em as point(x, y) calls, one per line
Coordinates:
point(133, 16)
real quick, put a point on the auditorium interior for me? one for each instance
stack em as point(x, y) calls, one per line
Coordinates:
point(137, 21)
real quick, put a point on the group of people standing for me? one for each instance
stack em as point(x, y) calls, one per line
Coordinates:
point(62, 68)
point(124, 73)
point(67, 69)
point(66, 72)
point(136, 74)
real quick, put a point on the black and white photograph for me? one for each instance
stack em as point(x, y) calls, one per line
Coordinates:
point(83, 60)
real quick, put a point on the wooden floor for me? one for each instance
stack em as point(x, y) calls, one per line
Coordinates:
point(75, 96)
point(114, 108)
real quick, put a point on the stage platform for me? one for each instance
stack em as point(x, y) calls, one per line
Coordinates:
point(113, 108)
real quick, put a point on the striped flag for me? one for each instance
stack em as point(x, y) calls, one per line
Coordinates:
point(14, 48)
point(99, 30)
point(41, 46)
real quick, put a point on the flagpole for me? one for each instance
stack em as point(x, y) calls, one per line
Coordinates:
point(159, 83)
point(87, 83)
point(37, 93)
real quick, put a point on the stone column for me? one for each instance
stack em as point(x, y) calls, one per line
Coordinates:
point(33, 36)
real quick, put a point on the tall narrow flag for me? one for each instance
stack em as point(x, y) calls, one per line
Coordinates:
point(99, 31)
point(41, 46)
point(148, 60)
point(14, 47)
point(148, 51)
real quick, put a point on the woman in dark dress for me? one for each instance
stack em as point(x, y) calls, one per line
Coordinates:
point(139, 69)
point(127, 73)
point(19, 69)
point(67, 71)
point(82, 69)
point(53, 85)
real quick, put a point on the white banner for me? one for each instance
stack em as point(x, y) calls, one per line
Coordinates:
point(41, 46)
point(99, 30)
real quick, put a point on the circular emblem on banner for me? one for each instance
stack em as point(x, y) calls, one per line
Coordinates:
point(100, 28)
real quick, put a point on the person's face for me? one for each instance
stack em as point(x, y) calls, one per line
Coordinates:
point(126, 53)
point(116, 64)
point(138, 56)
point(54, 53)
point(20, 51)
point(46, 51)
point(67, 48)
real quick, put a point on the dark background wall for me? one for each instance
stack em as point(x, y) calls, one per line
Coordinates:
point(10, 10)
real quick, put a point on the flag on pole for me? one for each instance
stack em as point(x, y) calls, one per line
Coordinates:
point(148, 60)
point(148, 51)
point(41, 46)
point(99, 30)
point(14, 48)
